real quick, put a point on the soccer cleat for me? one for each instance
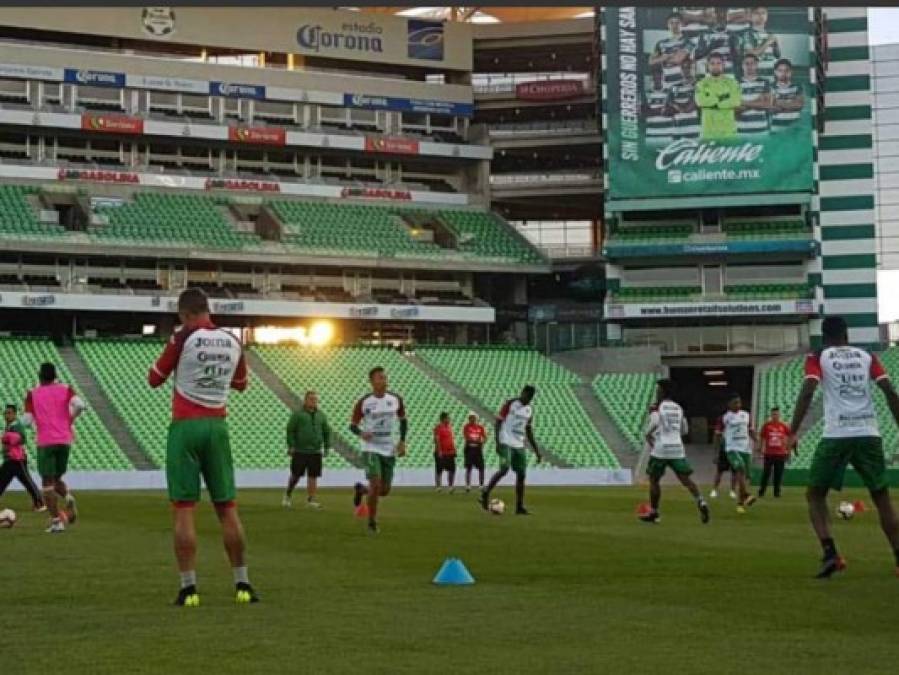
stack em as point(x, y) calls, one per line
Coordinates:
point(438, 489)
point(651, 517)
point(741, 510)
point(71, 508)
point(831, 565)
point(358, 491)
point(40, 508)
point(286, 502)
point(521, 511)
point(704, 513)
point(373, 528)
point(733, 495)
point(749, 501)
point(713, 494)
point(188, 597)
point(56, 526)
point(244, 594)
point(484, 500)
point(312, 504)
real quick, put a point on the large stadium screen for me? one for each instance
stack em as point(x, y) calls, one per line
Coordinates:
point(708, 100)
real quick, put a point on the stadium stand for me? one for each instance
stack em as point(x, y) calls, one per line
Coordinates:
point(773, 291)
point(493, 375)
point(340, 375)
point(155, 219)
point(752, 229)
point(18, 217)
point(626, 397)
point(94, 448)
point(645, 293)
point(653, 234)
point(257, 417)
point(483, 234)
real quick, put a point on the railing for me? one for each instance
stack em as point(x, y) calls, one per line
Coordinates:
point(545, 177)
point(557, 251)
point(589, 126)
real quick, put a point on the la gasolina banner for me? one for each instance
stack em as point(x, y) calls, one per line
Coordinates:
point(708, 100)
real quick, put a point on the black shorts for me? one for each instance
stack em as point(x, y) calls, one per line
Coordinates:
point(446, 462)
point(723, 464)
point(303, 463)
point(474, 457)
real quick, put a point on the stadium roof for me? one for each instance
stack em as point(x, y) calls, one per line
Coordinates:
point(486, 14)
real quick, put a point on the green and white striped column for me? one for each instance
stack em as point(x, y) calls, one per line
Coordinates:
point(845, 198)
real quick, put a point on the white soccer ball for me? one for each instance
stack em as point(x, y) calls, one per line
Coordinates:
point(7, 518)
point(497, 507)
point(846, 510)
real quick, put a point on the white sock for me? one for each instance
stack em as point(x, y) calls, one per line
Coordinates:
point(241, 576)
point(188, 579)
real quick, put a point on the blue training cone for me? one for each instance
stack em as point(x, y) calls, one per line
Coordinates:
point(453, 573)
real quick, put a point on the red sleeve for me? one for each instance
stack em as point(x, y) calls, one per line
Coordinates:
point(356, 417)
point(504, 411)
point(878, 372)
point(29, 405)
point(401, 410)
point(239, 380)
point(813, 367)
point(165, 364)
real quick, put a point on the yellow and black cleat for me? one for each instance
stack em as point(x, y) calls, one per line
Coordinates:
point(244, 594)
point(188, 597)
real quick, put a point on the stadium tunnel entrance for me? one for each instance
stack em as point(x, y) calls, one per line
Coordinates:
point(704, 391)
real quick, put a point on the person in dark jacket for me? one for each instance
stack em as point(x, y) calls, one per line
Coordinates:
point(308, 439)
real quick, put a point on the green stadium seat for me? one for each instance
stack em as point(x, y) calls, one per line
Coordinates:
point(626, 397)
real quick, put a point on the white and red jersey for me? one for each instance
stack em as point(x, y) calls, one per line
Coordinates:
point(516, 418)
point(846, 374)
point(736, 426)
point(208, 362)
point(379, 416)
point(668, 426)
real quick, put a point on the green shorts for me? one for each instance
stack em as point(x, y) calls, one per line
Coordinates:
point(740, 461)
point(199, 447)
point(379, 466)
point(53, 460)
point(833, 455)
point(514, 458)
point(657, 466)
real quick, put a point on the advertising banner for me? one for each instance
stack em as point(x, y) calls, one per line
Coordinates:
point(708, 101)
point(163, 83)
point(549, 90)
point(257, 135)
point(400, 104)
point(112, 124)
point(632, 250)
point(664, 310)
point(94, 78)
point(391, 145)
point(376, 193)
point(241, 184)
point(232, 90)
point(98, 176)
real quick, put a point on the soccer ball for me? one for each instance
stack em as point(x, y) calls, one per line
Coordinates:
point(497, 507)
point(7, 518)
point(846, 510)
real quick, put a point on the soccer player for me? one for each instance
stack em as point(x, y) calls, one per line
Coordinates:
point(670, 53)
point(52, 407)
point(308, 436)
point(682, 101)
point(738, 436)
point(695, 21)
point(788, 99)
point(207, 363)
point(445, 449)
point(718, 96)
point(760, 43)
point(722, 466)
point(375, 419)
point(15, 458)
point(717, 40)
point(475, 436)
point(513, 424)
point(851, 434)
point(775, 451)
point(755, 92)
point(659, 120)
point(738, 20)
point(667, 427)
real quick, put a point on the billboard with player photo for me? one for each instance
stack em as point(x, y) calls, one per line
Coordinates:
point(708, 100)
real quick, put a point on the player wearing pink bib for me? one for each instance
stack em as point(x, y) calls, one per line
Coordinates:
point(851, 434)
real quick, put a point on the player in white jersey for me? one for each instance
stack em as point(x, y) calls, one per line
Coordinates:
point(761, 44)
point(851, 434)
point(738, 435)
point(670, 52)
point(377, 419)
point(788, 99)
point(667, 427)
point(755, 99)
point(514, 424)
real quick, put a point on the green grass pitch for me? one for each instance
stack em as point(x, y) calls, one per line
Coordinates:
point(579, 587)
